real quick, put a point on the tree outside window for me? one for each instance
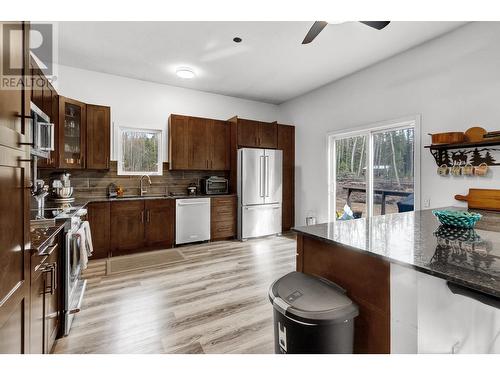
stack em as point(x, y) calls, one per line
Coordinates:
point(139, 152)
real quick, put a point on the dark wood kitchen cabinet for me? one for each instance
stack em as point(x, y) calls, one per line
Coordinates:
point(256, 133)
point(98, 136)
point(219, 145)
point(14, 200)
point(178, 142)
point(159, 227)
point(197, 143)
point(45, 297)
point(98, 215)
point(286, 143)
point(138, 225)
point(223, 218)
point(44, 96)
point(71, 133)
point(127, 226)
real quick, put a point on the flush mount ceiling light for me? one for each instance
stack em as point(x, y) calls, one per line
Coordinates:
point(186, 73)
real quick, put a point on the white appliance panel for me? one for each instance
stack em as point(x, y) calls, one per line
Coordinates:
point(192, 220)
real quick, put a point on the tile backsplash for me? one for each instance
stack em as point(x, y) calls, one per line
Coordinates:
point(87, 183)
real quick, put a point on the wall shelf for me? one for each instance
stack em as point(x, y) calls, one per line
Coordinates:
point(474, 153)
point(495, 142)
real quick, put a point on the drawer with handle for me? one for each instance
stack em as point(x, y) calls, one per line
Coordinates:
point(224, 229)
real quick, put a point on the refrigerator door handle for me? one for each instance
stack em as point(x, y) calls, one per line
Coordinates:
point(267, 175)
point(262, 176)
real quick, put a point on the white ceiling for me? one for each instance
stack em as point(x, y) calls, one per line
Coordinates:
point(270, 65)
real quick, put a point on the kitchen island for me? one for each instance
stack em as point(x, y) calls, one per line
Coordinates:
point(394, 266)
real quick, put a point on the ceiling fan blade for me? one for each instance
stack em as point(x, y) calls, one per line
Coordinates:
point(379, 25)
point(314, 31)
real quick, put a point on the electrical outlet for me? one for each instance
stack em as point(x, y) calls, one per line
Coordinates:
point(427, 202)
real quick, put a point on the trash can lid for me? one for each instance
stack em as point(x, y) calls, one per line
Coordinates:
point(311, 299)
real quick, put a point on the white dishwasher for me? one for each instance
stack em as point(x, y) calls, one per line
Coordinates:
point(192, 220)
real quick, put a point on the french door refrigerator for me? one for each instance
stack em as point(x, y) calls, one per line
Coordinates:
point(259, 192)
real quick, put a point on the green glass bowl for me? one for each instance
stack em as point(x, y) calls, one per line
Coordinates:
point(460, 219)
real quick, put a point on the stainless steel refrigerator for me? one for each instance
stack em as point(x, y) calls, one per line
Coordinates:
point(259, 192)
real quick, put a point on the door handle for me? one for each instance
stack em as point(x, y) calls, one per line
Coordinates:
point(267, 175)
point(261, 176)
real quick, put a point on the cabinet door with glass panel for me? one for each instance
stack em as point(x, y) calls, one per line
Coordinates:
point(72, 130)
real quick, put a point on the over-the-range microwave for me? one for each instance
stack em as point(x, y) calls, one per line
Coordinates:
point(42, 133)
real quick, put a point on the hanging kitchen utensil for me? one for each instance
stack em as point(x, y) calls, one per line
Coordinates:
point(482, 199)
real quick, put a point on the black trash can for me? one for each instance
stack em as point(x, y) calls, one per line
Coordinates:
point(311, 316)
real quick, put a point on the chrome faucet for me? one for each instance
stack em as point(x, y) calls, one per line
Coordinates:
point(143, 191)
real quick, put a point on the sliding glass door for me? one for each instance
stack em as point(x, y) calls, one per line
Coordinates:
point(373, 170)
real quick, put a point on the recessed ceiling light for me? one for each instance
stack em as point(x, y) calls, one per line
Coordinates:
point(237, 39)
point(186, 73)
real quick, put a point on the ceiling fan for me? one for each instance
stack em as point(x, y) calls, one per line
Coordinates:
point(320, 25)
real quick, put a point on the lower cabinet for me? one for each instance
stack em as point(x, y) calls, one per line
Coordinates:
point(138, 225)
point(45, 298)
point(127, 227)
point(131, 226)
point(98, 215)
point(159, 229)
point(223, 218)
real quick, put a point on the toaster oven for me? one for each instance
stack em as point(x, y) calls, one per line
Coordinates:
point(214, 185)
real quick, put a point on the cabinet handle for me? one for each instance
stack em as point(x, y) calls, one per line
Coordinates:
point(49, 268)
point(142, 217)
point(148, 216)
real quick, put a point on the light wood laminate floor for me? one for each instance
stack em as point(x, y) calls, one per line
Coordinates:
point(213, 301)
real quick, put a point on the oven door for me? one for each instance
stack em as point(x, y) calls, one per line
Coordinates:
point(74, 285)
point(73, 268)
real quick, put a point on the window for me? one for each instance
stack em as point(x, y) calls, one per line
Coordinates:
point(139, 152)
point(375, 169)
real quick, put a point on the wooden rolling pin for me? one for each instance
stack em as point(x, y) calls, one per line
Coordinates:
point(481, 199)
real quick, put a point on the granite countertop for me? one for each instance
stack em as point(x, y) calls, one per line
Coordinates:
point(470, 258)
point(40, 235)
point(67, 210)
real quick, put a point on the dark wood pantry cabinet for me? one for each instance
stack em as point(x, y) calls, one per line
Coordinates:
point(14, 201)
point(197, 143)
point(286, 143)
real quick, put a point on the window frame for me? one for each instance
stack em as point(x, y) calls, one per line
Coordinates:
point(369, 130)
point(120, 171)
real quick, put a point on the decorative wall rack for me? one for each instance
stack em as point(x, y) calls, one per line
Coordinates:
point(474, 153)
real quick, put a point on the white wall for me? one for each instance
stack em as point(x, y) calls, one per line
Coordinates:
point(144, 104)
point(452, 81)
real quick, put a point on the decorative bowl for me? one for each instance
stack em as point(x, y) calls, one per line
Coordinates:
point(460, 219)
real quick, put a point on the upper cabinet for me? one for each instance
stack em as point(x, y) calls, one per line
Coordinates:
point(98, 137)
point(257, 133)
point(72, 133)
point(198, 143)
